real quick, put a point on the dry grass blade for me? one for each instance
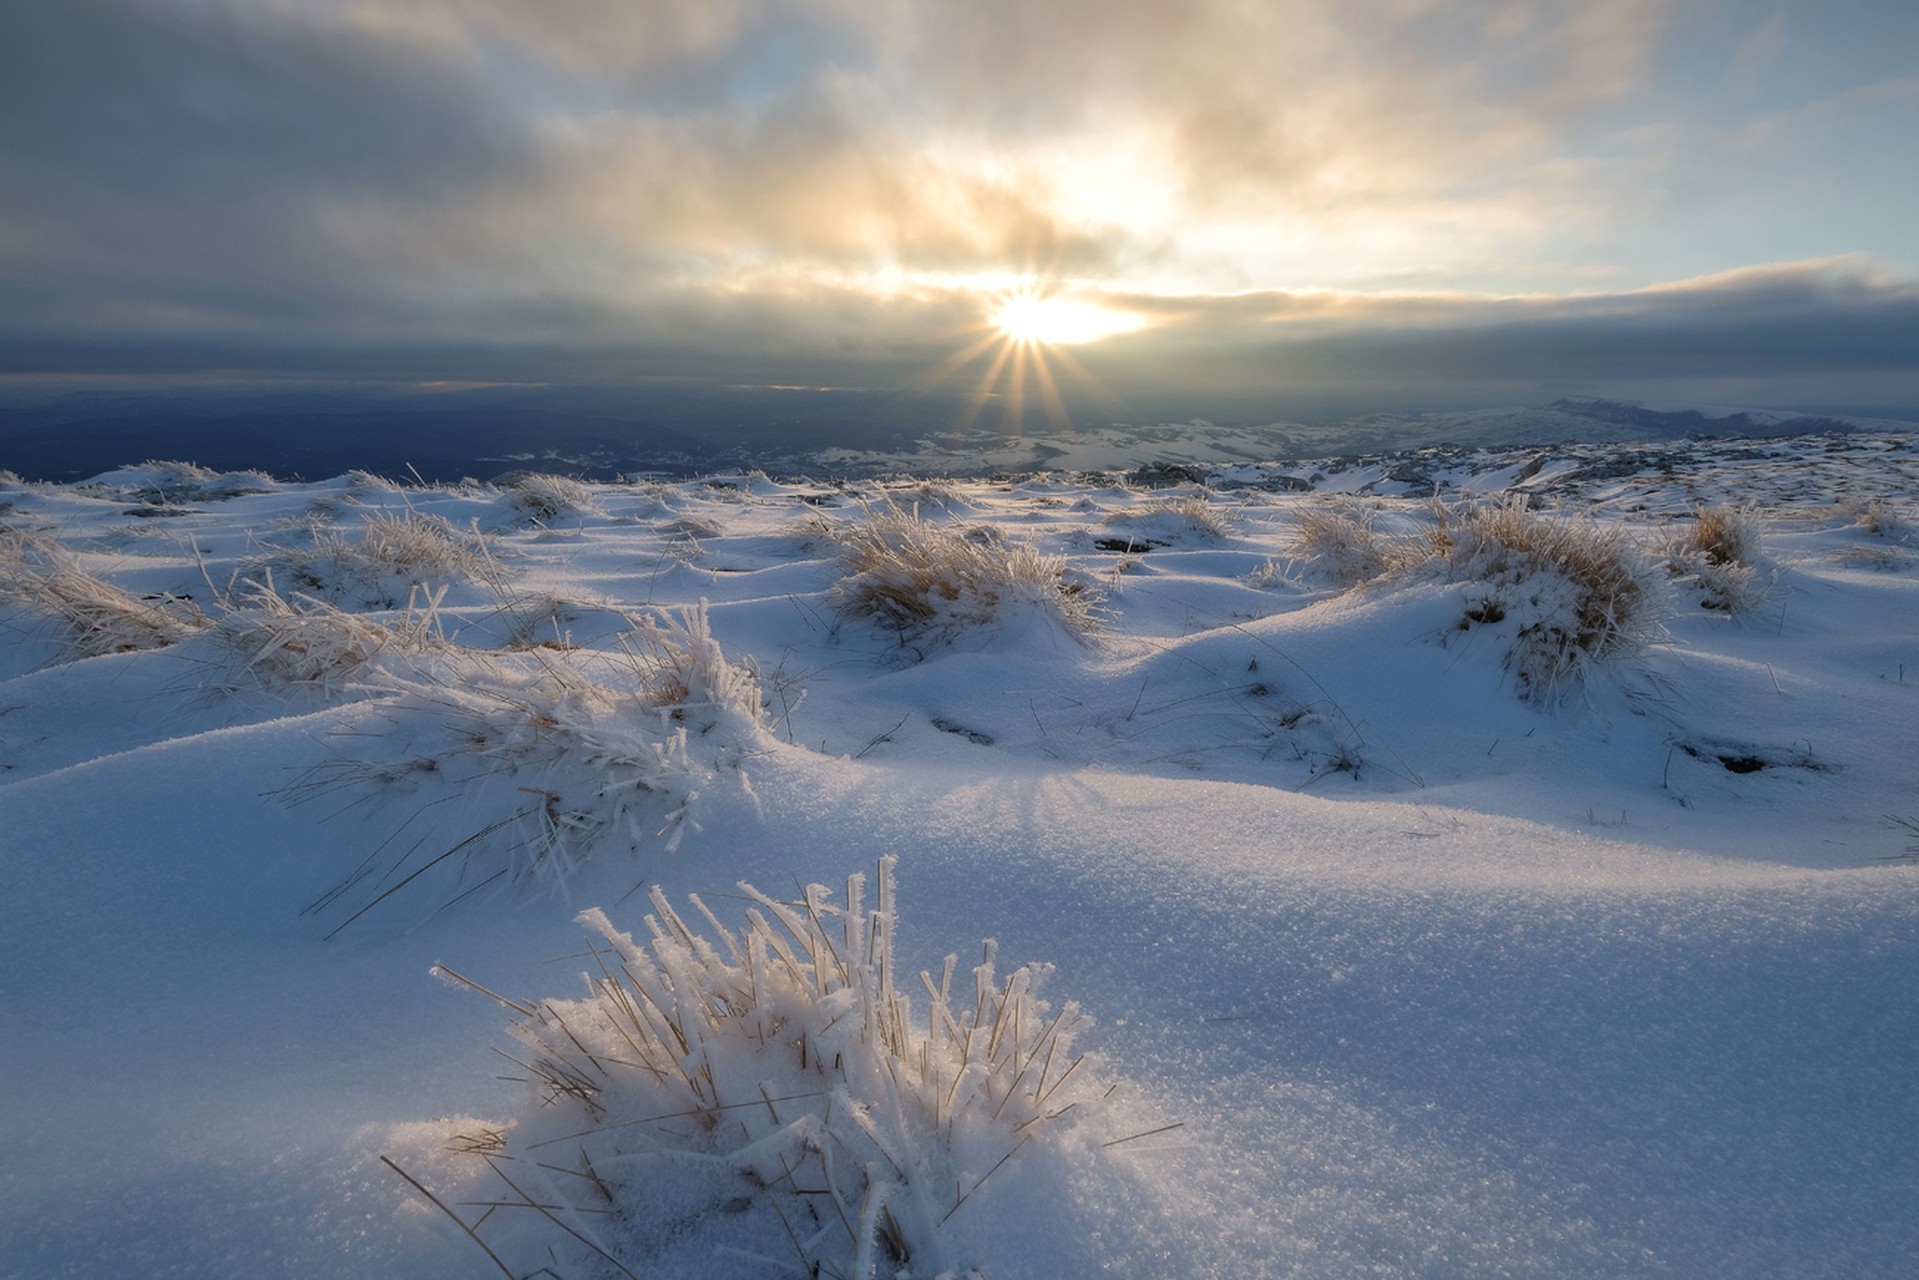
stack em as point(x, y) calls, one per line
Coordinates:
point(439, 1204)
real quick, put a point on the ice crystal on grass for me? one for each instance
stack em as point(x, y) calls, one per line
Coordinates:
point(296, 639)
point(772, 1084)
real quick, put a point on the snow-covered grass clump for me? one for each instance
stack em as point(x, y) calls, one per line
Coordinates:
point(1884, 519)
point(1336, 541)
point(1573, 592)
point(88, 616)
point(1570, 593)
point(395, 556)
point(554, 754)
point(163, 483)
point(769, 1095)
point(1176, 520)
point(539, 498)
point(1721, 556)
point(930, 585)
point(298, 640)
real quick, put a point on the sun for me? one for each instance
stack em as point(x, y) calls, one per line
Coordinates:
point(1019, 346)
point(1028, 317)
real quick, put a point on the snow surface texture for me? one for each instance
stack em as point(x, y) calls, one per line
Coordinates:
point(1382, 964)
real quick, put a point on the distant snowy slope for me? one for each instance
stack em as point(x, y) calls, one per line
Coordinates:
point(1572, 420)
point(443, 437)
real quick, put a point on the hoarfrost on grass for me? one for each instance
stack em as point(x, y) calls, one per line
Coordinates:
point(770, 1091)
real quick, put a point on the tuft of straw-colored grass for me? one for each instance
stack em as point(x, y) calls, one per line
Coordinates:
point(779, 1073)
point(537, 497)
point(1722, 554)
point(394, 556)
point(94, 617)
point(930, 584)
point(1336, 541)
point(1722, 535)
point(1572, 593)
point(1578, 592)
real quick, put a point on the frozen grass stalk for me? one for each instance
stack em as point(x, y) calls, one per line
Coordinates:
point(780, 1067)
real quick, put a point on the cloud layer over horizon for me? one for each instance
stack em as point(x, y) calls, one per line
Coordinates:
point(1301, 200)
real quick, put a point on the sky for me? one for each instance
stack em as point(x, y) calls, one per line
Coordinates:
point(1207, 208)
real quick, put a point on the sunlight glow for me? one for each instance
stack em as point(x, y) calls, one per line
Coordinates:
point(1029, 318)
point(1015, 355)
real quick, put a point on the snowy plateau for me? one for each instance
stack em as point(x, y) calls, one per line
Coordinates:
point(1494, 861)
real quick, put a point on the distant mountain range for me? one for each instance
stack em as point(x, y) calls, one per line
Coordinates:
point(597, 435)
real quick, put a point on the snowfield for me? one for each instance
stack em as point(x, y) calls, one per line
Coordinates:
point(1462, 864)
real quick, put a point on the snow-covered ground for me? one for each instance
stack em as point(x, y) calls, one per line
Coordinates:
point(1402, 954)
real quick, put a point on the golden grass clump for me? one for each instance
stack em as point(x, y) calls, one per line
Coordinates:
point(930, 584)
point(1578, 592)
point(1571, 592)
point(1722, 555)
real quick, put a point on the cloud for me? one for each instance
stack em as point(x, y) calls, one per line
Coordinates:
point(1831, 331)
point(731, 189)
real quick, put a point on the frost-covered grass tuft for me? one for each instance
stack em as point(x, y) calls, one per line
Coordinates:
point(1572, 593)
point(1576, 593)
point(92, 616)
point(1179, 518)
point(1882, 519)
point(536, 497)
point(298, 640)
point(158, 483)
point(394, 557)
point(1723, 535)
point(931, 585)
point(770, 1088)
point(1336, 542)
point(559, 753)
point(1723, 557)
